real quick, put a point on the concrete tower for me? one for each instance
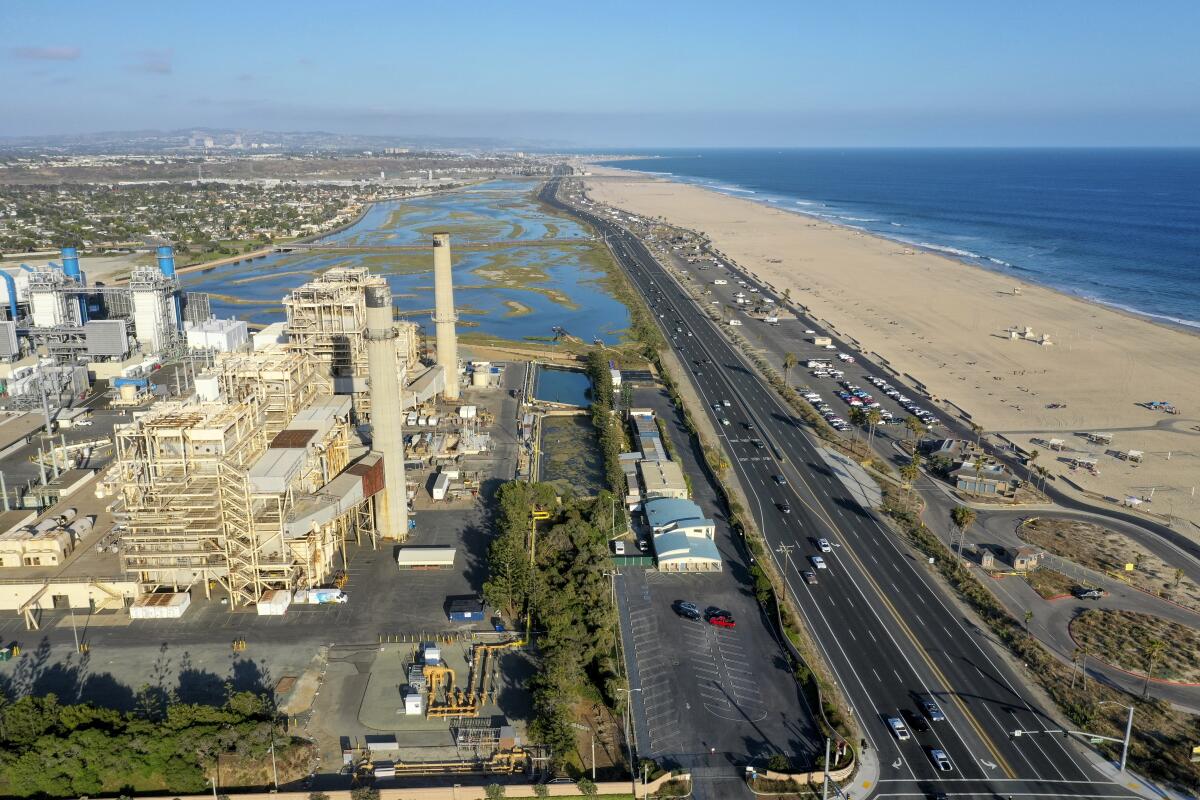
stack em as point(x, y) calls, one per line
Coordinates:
point(386, 436)
point(444, 316)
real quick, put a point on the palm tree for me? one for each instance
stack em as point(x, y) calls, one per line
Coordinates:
point(857, 418)
point(962, 516)
point(978, 464)
point(873, 417)
point(915, 426)
point(978, 431)
point(789, 361)
point(1154, 649)
point(1028, 619)
point(1032, 460)
point(787, 295)
point(909, 474)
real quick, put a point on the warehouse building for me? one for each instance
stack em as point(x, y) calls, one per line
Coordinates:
point(684, 539)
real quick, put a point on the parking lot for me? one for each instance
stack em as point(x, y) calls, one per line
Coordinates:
point(698, 688)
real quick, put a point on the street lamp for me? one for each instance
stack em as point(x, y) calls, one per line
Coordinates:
point(1128, 729)
point(1123, 742)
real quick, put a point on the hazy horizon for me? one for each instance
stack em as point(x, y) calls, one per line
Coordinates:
point(930, 74)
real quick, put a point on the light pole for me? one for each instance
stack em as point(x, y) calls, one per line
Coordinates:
point(1128, 730)
point(1123, 742)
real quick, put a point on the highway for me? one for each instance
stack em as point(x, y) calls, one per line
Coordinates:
point(891, 634)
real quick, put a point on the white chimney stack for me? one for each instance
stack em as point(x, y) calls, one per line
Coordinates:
point(386, 436)
point(444, 315)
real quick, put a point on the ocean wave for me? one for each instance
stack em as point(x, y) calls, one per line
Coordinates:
point(999, 261)
point(954, 251)
point(806, 203)
point(897, 224)
point(1188, 323)
point(861, 219)
point(652, 172)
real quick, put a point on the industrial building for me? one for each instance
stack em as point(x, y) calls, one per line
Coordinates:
point(256, 489)
point(52, 311)
point(684, 540)
point(327, 322)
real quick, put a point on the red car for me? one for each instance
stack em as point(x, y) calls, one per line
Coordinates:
point(722, 622)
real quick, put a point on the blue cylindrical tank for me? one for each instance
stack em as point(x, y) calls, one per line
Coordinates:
point(12, 295)
point(70, 260)
point(166, 261)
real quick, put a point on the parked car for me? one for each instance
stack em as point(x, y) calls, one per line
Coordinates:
point(1088, 593)
point(686, 609)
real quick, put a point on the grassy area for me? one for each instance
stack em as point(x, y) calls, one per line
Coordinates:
point(1106, 550)
point(1050, 584)
point(1128, 640)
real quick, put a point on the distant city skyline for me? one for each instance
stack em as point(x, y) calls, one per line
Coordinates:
point(927, 73)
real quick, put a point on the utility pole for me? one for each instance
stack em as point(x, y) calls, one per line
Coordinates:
point(786, 551)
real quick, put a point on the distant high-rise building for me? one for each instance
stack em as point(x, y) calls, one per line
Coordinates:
point(208, 141)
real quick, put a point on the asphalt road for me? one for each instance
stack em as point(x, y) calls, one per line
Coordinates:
point(888, 630)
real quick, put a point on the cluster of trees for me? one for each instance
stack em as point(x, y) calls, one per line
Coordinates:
point(55, 750)
point(566, 592)
point(608, 425)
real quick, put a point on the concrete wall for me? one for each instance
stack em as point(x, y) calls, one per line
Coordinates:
point(463, 792)
point(15, 594)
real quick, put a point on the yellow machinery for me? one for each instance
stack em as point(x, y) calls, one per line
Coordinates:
point(501, 762)
point(445, 701)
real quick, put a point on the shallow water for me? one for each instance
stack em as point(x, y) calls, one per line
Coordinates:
point(516, 291)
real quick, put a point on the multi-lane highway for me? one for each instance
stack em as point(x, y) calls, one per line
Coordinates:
point(891, 634)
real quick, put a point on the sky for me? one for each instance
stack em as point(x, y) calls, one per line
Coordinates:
point(655, 73)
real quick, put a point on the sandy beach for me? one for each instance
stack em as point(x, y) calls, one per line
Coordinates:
point(947, 324)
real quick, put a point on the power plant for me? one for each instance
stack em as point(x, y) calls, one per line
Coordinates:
point(254, 485)
point(52, 311)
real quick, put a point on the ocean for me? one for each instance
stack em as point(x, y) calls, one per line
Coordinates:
point(1121, 227)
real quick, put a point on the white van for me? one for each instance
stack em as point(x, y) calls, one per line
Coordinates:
point(619, 548)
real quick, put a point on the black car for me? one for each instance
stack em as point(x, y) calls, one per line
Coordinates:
point(748, 426)
point(779, 480)
point(784, 506)
point(715, 611)
point(915, 721)
point(686, 610)
point(757, 443)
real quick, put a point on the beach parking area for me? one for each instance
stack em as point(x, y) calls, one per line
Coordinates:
point(973, 338)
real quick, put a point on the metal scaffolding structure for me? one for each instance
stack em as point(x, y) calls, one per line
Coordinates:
point(327, 321)
point(252, 493)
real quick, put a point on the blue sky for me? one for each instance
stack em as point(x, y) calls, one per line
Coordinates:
point(920, 72)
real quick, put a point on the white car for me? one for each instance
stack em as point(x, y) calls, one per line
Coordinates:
point(725, 422)
point(824, 546)
point(818, 562)
point(899, 729)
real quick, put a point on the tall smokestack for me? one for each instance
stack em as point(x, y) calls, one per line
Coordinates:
point(444, 316)
point(386, 436)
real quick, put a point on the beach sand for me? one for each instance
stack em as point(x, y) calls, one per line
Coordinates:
point(946, 324)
